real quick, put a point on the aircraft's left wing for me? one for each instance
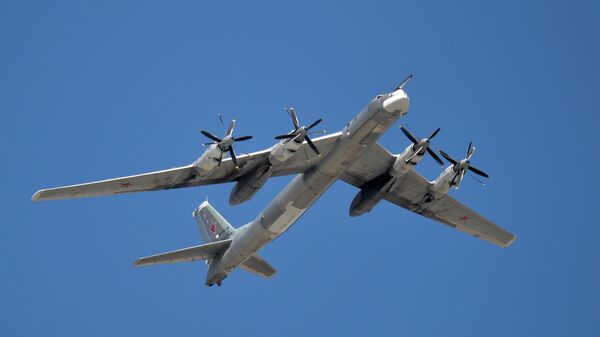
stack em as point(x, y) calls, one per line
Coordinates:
point(410, 190)
point(152, 181)
point(186, 176)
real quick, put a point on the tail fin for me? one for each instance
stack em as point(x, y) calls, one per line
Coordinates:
point(212, 225)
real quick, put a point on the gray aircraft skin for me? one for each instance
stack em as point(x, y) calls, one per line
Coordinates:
point(351, 155)
point(307, 187)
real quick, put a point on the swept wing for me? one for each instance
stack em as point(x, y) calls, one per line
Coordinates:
point(186, 176)
point(409, 191)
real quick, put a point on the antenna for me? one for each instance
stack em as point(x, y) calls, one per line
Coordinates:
point(403, 83)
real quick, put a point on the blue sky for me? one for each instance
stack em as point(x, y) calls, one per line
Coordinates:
point(91, 91)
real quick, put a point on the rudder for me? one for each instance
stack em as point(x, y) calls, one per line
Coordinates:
point(212, 225)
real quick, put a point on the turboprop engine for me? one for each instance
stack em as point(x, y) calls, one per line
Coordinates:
point(453, 174)
point(213, 156)
point(289, 144)
point(413, 154)
point(292, 141)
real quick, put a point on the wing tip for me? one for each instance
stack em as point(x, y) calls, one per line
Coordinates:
point(138, 263)
point(514, 237)
point(272, 274)
point(37, 195)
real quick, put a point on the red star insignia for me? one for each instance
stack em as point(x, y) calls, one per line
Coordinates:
point(127, 184)
point(465, 218)
point(212, 228)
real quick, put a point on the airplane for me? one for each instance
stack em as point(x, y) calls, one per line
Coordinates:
point(352, 155)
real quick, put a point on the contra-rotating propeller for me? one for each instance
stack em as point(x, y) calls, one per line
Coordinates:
point(419, 146)
point(301, 133)
point(225, 144)
point(460, 167)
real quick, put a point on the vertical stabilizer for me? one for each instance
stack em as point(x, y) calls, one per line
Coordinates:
point(212, 225)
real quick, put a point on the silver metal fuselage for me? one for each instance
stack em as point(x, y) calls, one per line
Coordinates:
point(307, 187)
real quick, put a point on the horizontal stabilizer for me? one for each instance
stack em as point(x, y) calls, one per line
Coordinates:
point(201, 252)
point(256, 265)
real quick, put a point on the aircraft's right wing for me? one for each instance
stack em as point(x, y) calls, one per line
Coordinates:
point(185, 176)
point(160, 180)
point(409, 192)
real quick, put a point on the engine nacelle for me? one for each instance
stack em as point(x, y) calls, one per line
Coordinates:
point(208, 160)
point(370, 195)
point(405, 161)
point(250, 183)
point(442, 184)
point(282, 151)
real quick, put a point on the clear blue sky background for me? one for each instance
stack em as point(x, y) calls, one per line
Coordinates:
point(91, 91)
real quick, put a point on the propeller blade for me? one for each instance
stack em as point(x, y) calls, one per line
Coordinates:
point(207, 144)
point(294, 118)
point(401, 86)
point(462, 175)
point(433, 134)
point(231, 127)
point(478, 171)
point(448, 158)
point(233, 157)
point(210, 136)
point(221, 119)
point(477, 179)
point(314, 124)
point(312, 146)
point(469, 150)
point(435, 156)
point(241, 139)
point(454, 179)
point(317, 132)
point(409, 135)
point(220, 159)
point(471, 153)
point(286, 136)
point(414, 155)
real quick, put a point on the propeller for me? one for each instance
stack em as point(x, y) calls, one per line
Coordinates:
point(301, 133)
point(225, 144)
point(422, 144)
point(460, 167)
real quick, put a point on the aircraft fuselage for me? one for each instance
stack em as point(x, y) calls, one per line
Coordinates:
point(307, 187)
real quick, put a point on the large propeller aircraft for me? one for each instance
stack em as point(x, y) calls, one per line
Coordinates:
point(351, 155)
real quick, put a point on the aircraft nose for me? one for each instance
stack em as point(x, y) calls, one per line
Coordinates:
point(398, 102)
